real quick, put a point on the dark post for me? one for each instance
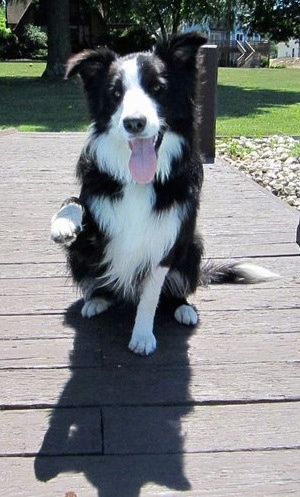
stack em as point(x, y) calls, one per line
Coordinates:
point(206, 100)
point(298, 234)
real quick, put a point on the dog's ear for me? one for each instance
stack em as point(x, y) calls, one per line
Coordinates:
point(89, 62)
point(180, 49)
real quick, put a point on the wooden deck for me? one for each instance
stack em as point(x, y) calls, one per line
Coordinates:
point(214, 412)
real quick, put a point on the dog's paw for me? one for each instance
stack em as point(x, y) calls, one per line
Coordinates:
point(142, 343)
point(186, 314)
point(64, 231)
point(94, 306)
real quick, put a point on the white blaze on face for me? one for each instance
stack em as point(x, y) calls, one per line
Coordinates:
point(136, 103)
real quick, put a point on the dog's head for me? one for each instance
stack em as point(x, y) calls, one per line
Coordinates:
point(133, 100)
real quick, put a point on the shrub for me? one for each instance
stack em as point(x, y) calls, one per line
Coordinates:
point(33, 42)
point(2, 19)
point(264, 61)
point(9, 45)
point(8, 41)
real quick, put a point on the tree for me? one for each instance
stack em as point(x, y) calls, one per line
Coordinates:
point(160, 17)
point(59, 41)
point(167, 16)
point(278, 19)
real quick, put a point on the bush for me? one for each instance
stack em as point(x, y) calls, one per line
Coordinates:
point(2, 19)
point(264, 61)
point(8, 41)
point(33, 42)
point(9, 45)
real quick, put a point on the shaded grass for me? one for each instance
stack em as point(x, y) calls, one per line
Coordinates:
point(252, 102)
point(31, 104)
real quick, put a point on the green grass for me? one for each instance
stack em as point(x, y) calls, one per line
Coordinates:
point(251, 102)
point(258, 102)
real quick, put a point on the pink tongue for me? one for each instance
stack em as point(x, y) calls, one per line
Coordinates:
point(143, 160)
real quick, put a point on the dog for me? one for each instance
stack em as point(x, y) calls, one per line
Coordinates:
point(131, 234)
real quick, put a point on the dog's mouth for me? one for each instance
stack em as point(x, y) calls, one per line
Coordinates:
point(143, 159)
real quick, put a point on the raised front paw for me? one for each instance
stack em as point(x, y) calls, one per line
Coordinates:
point(64, 231)
point(66, 224)
point(142, 343)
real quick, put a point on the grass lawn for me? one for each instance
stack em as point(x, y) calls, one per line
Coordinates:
point(258, 102)
point(252, 102)
point(30, 104)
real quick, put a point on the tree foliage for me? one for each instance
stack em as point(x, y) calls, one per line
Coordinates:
point(278, 19)
point(159, 17)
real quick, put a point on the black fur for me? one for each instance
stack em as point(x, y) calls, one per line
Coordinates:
point(168, 75)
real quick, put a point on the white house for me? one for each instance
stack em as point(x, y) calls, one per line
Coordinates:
point(216, 32)
point(289, 49)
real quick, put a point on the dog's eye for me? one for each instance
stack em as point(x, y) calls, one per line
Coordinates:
point(158, 87)
point(116, 93)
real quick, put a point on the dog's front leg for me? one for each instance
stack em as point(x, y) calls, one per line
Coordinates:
point(143, 340)
point(66, 224)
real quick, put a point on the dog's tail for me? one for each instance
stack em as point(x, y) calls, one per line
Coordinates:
point(234, 272)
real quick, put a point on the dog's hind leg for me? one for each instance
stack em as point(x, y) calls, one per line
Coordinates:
point(186, 314)
point(143, 340)
point(94, 306)
point(177, 288)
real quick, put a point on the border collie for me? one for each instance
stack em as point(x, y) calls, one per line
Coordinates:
point(130, 236)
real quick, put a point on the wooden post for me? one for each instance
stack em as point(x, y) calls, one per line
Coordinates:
point(206, 100)
point(298, 234)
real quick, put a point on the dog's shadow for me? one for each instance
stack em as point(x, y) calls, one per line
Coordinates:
point(118, 417)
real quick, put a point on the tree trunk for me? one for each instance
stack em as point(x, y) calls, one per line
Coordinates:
point(59, 40)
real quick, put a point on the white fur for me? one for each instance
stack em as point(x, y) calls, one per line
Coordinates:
point(94, 306)
point(136, 101)
point(66, 224)
point(251, 273)
point(143, 340)
point(140, 238)
point(111, 149)
point(112, 154)
point(186, 314)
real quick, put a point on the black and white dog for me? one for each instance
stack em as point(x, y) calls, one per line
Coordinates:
point(130, 236)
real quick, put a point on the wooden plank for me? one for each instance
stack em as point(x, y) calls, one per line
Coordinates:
point(104, 346)
point(115, 322)
point(215, 247)
point(40, 253)
point(170, 385)
point(34, 269)
point(26, 327)
point(55, 353)
point(255, 474)
point(69, 431)
point(38, 233)
point(32, 296)
point(167, 430)
point(149, 430)
point(287, 267)
point(250, 251)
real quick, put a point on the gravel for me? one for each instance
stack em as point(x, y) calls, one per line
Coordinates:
point(273, 162)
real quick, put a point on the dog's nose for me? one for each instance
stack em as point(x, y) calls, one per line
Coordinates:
point(135, 124)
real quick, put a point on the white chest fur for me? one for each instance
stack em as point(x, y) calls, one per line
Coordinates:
point(139, 237)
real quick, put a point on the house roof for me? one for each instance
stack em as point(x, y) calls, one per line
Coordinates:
point(16, 10)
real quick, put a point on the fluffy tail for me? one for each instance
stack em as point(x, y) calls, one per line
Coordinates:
point(234, 272)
